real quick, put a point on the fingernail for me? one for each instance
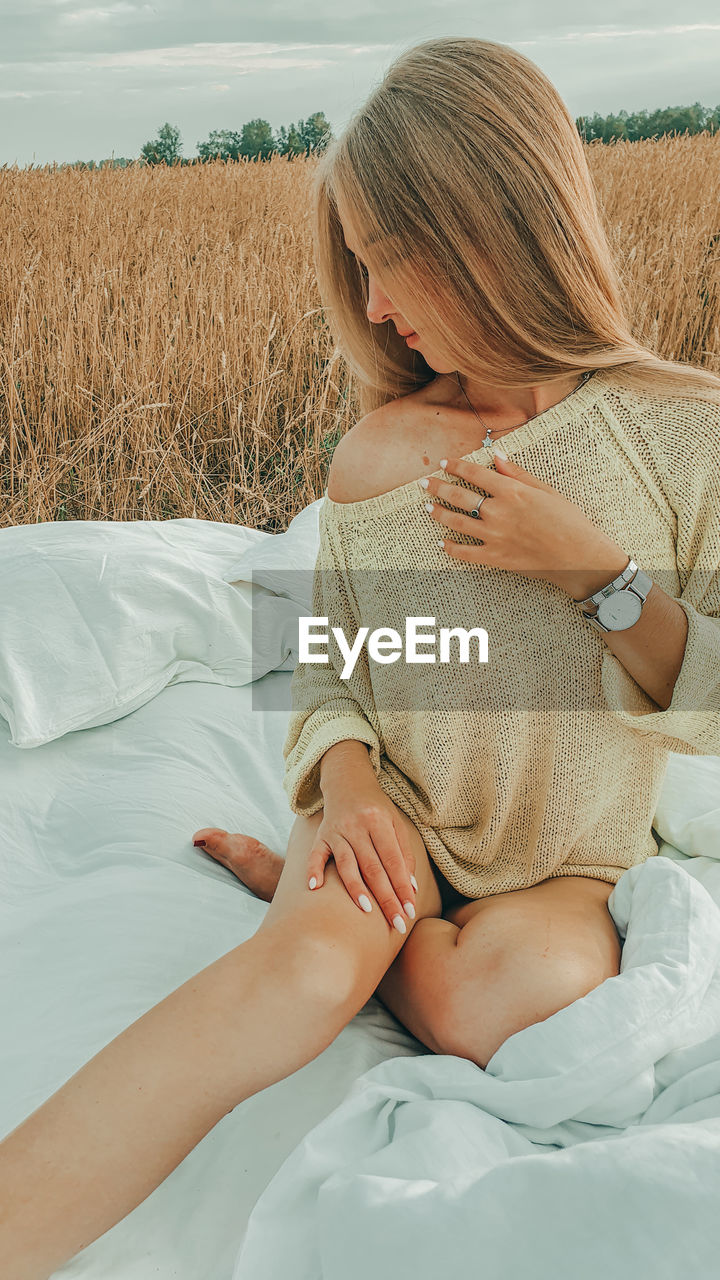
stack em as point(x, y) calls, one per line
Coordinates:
point(199, 844)
point(443, 462)
point(312, 884)
point(399, 924)
point(424, 482)
point(409, 910)
point(414, 883)
point(429, 506)
point(365, 903)
point(500, 451)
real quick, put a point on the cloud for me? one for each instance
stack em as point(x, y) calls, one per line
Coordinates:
point(231, 56)
point(227, 56)
point(119, 10)
point(617, 33)
point(39, 93)
point(88, 76)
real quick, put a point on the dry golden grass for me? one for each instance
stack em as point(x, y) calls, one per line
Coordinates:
point(163, 351)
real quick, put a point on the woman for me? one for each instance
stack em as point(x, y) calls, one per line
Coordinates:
point(459, 826)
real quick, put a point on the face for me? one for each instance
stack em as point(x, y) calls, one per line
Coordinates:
point(381, 308)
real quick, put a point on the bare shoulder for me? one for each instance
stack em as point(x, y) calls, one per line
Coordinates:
point(358, 464)
point(380, 452)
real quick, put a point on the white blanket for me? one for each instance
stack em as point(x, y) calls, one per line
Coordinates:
point(590, 1145)
point(105, 908)
point(588, 1148)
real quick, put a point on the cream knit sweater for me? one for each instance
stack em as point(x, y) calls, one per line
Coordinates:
point(548, 759)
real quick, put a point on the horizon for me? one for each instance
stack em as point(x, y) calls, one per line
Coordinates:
point(86, 80)
point(99, 161)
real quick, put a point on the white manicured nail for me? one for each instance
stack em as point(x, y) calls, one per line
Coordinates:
point(424, 482)
point(429, 506)
point(365, 902)
point(312, 883)
point(443, 462)
point(409, 910)
point(500, 451)
point(414, 883)
point(399, 924)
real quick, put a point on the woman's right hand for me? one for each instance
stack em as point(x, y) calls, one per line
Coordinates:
point(359, 829)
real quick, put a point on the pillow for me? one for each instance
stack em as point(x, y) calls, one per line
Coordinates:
point(688, 810)
point(96, 617)
point(284, 562)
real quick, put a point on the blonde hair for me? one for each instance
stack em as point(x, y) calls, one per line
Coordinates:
point(467, 166)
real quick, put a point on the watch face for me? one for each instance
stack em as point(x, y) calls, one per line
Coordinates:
point(620, 610)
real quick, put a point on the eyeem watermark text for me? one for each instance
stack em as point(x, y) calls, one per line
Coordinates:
point(385, 644)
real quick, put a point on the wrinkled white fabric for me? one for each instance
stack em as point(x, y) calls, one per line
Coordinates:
point(589, 1146)
point(105, 908)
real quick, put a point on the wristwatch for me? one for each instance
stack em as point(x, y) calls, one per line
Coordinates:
point(618, 605)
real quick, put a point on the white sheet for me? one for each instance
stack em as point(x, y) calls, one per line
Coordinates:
point(590, 1145)
point(105, 907)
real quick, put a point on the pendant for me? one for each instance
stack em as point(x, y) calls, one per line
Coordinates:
point(487, 441)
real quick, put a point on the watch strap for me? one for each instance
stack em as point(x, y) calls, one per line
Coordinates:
point(638, 584)
point(617, 584)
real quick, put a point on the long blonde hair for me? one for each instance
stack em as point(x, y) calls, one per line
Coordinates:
point(468, 167)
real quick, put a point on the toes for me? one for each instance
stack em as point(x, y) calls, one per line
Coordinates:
point(214, 840)
point(233, 848)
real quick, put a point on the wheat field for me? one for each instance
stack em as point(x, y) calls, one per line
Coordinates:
point(163, 350)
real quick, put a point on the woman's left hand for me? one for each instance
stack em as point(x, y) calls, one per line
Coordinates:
point(525, 525)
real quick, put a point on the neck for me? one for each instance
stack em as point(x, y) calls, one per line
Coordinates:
point(517, 404)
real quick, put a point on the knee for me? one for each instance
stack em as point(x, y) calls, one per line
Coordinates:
point(515, 987)
point(312, 962)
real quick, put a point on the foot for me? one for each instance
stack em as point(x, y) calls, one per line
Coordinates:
point(250, 860)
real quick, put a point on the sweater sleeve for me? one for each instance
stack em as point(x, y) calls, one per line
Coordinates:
point(690, 725)
point(326, 708)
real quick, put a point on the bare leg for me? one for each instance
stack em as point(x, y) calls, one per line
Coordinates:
point(415, 987)
point(412, 988)
point(98, 1147)
point(465, 984)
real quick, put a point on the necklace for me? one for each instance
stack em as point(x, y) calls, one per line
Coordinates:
point(488, 438)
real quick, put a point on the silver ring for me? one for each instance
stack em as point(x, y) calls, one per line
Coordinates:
point(476, 510)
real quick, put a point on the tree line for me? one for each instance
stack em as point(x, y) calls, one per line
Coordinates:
point(632, 126)
point(256, 139)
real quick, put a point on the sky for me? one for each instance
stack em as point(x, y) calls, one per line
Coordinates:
point(87, 79)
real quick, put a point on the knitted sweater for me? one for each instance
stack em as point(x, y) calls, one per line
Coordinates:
point(547, 759)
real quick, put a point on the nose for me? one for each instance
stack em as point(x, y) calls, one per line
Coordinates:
point(379, 306)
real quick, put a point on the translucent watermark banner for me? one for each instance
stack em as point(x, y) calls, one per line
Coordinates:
point(467, 637)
